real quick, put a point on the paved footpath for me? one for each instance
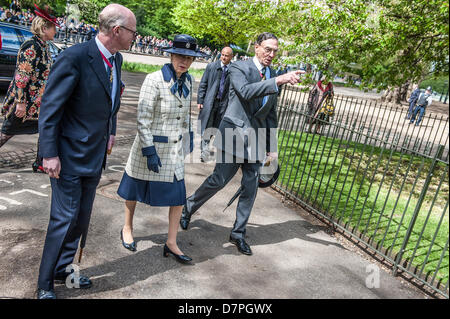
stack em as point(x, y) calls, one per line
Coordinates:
point(293, 255)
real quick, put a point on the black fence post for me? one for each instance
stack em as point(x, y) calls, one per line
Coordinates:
point(437, 156)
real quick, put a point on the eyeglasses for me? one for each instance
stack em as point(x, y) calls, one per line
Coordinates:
point(270, 50)
point(135, 34)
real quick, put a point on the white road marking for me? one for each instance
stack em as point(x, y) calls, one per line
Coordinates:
point(11, 201)
point(29, 191)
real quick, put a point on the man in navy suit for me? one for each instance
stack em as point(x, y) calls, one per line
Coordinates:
point(212, 98)
point(77, 127)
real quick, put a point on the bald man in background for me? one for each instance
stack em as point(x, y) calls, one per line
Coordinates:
point(212, 99)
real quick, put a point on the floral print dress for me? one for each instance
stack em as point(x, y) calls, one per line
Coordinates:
point(33, 67)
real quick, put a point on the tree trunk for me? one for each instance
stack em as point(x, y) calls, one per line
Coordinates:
point(399, 94)
point(249, 45)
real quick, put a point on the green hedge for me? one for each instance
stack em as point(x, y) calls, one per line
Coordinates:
point(150, 68)
point(439, 84)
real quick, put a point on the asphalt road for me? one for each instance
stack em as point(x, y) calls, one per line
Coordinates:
point(294, 256)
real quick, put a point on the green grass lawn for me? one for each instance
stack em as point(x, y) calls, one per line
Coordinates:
point(372, 191)
point(150, 68)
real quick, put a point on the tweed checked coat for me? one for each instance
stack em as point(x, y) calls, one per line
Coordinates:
point(163, 122)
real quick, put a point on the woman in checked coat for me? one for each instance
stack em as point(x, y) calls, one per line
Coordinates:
point(154, 173)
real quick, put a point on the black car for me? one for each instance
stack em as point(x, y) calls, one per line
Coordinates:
point(11, 38)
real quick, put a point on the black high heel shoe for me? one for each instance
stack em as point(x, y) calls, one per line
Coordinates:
point(131, 246)
point(180, 258)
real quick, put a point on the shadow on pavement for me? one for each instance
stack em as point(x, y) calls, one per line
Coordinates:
point(202, 241)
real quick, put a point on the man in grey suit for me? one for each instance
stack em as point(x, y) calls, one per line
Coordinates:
point(248, 134)
point(212, 98)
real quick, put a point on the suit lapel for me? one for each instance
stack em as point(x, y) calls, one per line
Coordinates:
point(98, 66)
point(118, 80)
point(254, 72)
point(255, 77)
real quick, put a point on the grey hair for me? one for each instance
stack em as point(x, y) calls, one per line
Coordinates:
point(265, 36)
point(110, 17)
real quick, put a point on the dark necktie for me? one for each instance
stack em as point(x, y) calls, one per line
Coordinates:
point(110, 73)
point(222, 82)
point(180, 82)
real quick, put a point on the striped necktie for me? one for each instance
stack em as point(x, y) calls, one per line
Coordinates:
point(110, 73)
point(263, 73)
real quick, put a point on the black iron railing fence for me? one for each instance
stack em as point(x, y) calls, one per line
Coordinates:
point(373, 175)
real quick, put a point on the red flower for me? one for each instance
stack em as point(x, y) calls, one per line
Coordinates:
point(30, 53)
point(21, 84)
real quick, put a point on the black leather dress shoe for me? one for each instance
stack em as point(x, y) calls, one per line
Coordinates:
point(180, 258)
point(185, 219)
point(131, 246)
point(241, 245)
point(45, 294)
point(83, 282)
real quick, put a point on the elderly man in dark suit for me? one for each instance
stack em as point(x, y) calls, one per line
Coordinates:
point(212, 98)
point(77, 125)
point(248, 134)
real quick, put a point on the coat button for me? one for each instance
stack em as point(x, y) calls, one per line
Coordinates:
point(180, 106)
point(175, 141)
point(178, 118)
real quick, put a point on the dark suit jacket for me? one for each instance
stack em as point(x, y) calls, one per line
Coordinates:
point(77, 116)
point(246, 113)
point(207, 92)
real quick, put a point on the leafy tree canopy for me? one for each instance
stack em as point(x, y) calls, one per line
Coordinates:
point(386, 43)
point(228, 22)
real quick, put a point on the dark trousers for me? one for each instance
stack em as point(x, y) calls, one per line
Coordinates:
point(71, 206)
point(410, 109)
point(418, 109)
point(222, 174)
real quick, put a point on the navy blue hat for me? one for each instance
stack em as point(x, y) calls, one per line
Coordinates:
point(184, 44)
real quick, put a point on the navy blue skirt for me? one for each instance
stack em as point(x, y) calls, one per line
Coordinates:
point(153, 193)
